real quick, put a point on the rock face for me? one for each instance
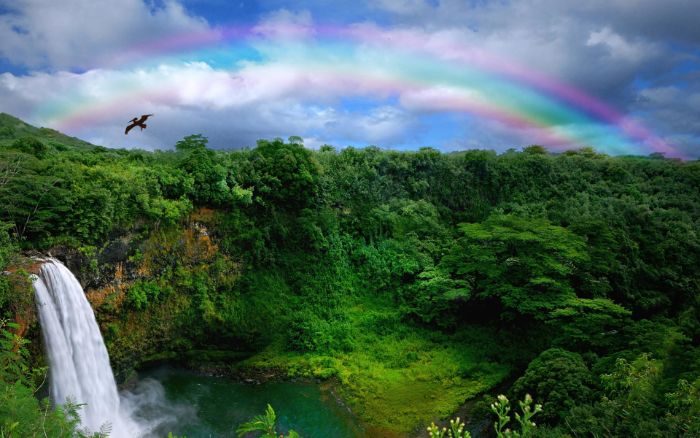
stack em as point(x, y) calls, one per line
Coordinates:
point(145, 287)
point(120, 259)
point(96, 268)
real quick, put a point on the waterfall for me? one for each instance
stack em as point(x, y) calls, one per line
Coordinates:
point(78, 360)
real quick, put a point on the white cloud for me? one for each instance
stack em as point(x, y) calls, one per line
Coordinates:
point(601, 46)
point(233, 108)
point(284, 23)
point(598, 45)
point(619, 48)
point(82, 33)
point(383, 125)
point(404, 7)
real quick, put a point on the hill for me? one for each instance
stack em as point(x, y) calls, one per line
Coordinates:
point(415, 280)
point(13, 129)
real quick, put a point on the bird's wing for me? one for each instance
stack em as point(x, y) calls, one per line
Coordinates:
point(128, 128)
point(144, 117)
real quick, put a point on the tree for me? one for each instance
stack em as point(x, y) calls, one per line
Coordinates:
point(10, 166)
point(526, 264)
point(210, 184)
point(561, 378)
point(285, 174)
point(33, 199)
point(30, 145)
point(295, 139)
point(629, 406)
point(191, 143)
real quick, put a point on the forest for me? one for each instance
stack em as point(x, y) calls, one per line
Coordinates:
point(416, 281)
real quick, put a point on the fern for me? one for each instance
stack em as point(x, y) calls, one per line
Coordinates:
point(266, 424)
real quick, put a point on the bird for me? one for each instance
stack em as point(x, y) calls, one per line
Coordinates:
point(137, 122)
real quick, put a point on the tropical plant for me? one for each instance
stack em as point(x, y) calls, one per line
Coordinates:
point(502, 409)
point(455, 430)
point(266, 424)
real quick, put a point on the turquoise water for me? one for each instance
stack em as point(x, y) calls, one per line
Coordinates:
point(203, 406)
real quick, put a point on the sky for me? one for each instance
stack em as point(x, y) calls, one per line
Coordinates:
point(621, 76)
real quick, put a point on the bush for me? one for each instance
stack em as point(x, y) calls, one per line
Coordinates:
point(143, 293)
point(310, 333)
point(30, 145)
point(561, 378)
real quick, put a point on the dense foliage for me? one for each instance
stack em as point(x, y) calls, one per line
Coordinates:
point(418, 279)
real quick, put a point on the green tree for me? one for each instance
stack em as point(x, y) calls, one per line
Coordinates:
point(683, 413)
point(30, 145)
point(285, 174)
point(561, 378)
point(630, 405)
point(192, 143)
point(7, 251)
point(526, 264)
point(210, 185)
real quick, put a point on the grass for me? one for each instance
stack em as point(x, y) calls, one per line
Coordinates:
point(398, 377)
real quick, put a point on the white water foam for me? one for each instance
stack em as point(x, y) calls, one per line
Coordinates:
point(79, 363)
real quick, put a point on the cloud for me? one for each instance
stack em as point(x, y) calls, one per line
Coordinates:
point(625, 52)
point(78, 34)
point(383, 125)
point(620, 51)
point(233, 109)
point(405, 7)
point(673, 20)
point(619, 48)
point(598, 45)
point(670, 20)
point(673, 110)
point(284, 23)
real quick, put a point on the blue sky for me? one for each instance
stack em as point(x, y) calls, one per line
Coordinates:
point(639, 57)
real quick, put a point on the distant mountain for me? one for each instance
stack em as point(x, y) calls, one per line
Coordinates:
point(12, 128)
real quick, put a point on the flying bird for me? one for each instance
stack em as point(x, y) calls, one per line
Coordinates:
point(138, 122)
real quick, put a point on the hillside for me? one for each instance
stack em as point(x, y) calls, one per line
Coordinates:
point(413, 282)
point(12, 128)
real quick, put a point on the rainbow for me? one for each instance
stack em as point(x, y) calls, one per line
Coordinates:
point(364, 60)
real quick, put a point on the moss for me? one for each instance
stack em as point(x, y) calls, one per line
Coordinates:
point(398, 382)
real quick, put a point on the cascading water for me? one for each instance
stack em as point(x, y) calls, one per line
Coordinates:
point(80, 371)
point(78, 360)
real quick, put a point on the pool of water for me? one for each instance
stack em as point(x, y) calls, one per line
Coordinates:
point(198, 406)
